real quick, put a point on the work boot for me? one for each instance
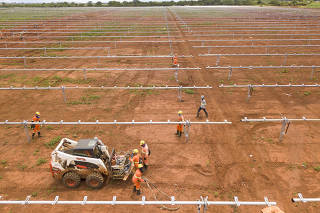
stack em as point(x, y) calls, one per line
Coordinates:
point(138, 192)
point(33, 135)
point(134, 189)
point(39, 134)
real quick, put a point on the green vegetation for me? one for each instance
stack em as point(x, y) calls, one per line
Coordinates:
point(22, 166)
point(56, 81)
point(137, 3)
point(34, 194)
point(5, 76)
point(85, 100)
point(49, 127)
point(216, 194)
point(317, 168)
point(35, 152)
point(41, 161)
point(4, 162)
point(53, 142)
point(188, 91)
point(315, 4)
point(52, 190)
point(307, 93)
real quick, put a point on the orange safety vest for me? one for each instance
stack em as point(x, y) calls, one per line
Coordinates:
point(175, 60)
point(35, 119)
point(136, 160)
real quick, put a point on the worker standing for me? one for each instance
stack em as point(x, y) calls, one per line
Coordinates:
point(36, 127)
point(179, 126)
point(136, 158)
point(202, 106)
point(145, 153)
point(137, 179)
point(175, 61)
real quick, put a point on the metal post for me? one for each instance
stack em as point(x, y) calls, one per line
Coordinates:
point(230, 72)
point(64, 95)
point(199, 207)
point(250, 90)
point(98, 60)
point(312, 73)
point(45, 51)
point(285, 59)
point(60, 44)
point(205, 203)
point(186, 130)
point(209, 50)
point(218, 60)
point(85, 74)
point(27, 132)
point(176, 75)
point(24, 61)
point(179, 93)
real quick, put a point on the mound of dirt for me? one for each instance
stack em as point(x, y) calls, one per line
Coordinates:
point(272, 209)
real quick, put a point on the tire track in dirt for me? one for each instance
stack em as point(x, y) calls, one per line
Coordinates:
point(231, 146)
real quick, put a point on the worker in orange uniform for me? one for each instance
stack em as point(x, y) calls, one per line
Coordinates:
point(136, 159)
point(137, 179)
point(175, 61)
point(145, 153)
point(36, 127)
point(179, 126)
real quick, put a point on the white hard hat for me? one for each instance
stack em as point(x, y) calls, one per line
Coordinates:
point(202, 96)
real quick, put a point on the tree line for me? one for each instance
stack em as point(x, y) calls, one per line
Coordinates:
point(137, 3)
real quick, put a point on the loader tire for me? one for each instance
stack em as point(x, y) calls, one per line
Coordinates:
point(71, 180)
point(95, 180)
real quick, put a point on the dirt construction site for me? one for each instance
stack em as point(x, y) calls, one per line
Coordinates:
point(242, 54)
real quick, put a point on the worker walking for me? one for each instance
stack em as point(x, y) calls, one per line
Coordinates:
point(36, 127)
point(179, 126)
point(145, 153)
point(136, 159)
point(137, 179)
point(202, 106)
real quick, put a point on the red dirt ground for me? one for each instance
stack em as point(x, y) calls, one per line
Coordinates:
point(215, 163)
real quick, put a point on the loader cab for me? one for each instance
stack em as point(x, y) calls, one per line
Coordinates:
point(86, 148)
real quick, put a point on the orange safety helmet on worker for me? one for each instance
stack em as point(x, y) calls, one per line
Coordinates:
point(136, 158)
point(137, 179)
point(145, 153)
point(36, 127)
point(179, 126)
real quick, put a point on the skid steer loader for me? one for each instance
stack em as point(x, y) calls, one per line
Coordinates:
point(88, 159)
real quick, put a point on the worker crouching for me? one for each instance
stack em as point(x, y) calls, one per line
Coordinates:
point(137, 179)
